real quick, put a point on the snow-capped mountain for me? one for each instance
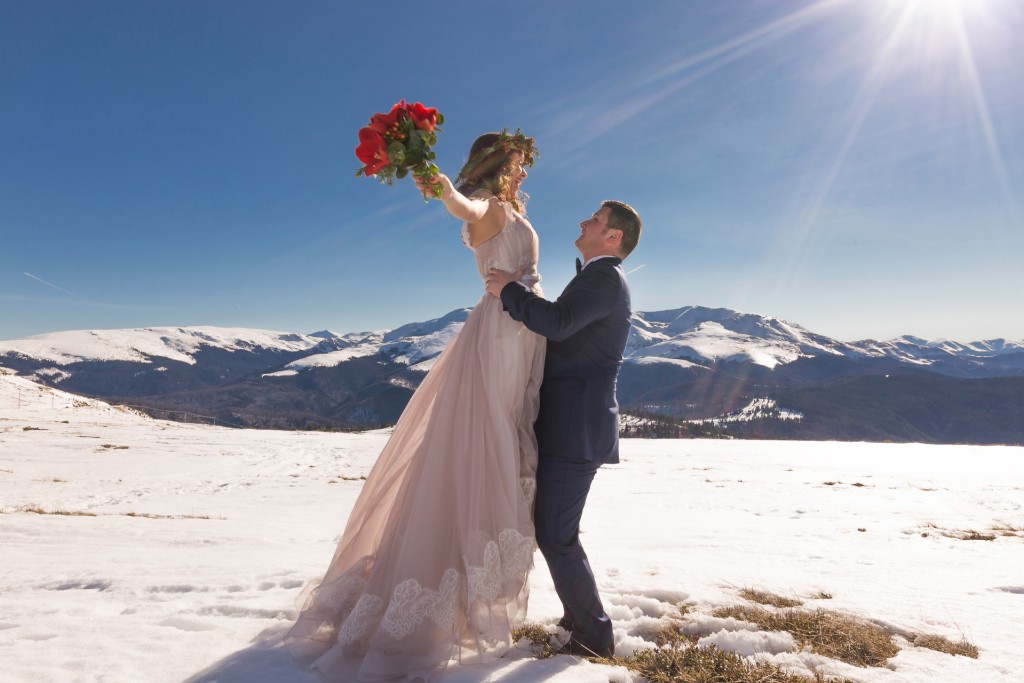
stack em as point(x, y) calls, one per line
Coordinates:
point(720, 334)
point(415, 344)
point(926, 352)
point(691, 363)
point(149, 345)
point(695, 334)
point(714, 335)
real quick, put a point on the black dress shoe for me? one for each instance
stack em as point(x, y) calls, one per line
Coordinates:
point(578, 649)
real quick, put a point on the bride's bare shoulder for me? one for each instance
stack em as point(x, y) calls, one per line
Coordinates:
point(492, 222)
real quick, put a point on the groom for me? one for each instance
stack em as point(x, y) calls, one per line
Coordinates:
point(578, 424)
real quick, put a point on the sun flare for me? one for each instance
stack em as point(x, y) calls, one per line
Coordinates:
point(959, 46)
point(938, 27)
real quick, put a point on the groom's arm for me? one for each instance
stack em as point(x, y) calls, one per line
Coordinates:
point(590, 296)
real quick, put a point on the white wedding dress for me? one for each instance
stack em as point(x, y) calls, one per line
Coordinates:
point(434, 560)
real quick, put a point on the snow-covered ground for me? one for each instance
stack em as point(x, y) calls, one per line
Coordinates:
point(191, 543)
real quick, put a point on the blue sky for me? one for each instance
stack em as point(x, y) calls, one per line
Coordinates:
point(854, 166)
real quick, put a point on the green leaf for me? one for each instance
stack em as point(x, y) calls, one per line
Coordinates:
point(396, 152)
point(401, 172)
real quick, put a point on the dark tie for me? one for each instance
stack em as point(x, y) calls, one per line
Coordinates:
point(579, 266)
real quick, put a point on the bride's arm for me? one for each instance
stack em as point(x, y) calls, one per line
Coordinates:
point(483, 214)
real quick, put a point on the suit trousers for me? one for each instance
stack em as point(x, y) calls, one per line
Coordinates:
point(562, 488)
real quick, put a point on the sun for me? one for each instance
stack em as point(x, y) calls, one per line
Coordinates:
point(939, 28)
point(956, 46)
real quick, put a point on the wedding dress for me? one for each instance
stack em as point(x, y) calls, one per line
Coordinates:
point(434, 560)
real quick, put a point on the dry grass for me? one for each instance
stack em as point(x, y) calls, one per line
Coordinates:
point(766, 598)
point(148, 515)
point(36, 510)
point(345, 477)
point(827, 633)
point(1008, 530)
point(842, 636)
point(963, 648)
point(971, 534)
point(679, 660)
point(537, 635)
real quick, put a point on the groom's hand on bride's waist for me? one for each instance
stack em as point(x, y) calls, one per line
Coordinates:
point(496, 279)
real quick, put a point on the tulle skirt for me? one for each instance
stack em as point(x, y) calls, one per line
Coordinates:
point(434, 561)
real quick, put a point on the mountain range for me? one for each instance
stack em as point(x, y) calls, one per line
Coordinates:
point(688, 371)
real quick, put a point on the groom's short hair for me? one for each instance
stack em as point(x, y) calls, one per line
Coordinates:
point(624, 217)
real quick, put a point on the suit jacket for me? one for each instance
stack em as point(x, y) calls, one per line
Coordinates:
point(586, 327)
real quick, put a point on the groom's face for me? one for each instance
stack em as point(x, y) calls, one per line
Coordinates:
point(593, 234)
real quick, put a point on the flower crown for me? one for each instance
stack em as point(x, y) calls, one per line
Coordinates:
point(507, 143)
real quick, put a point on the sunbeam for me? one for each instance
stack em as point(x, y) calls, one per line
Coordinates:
point(768, 33)
point(981, 102)
point(639, 98)
point(924, 38)
point(797, 246)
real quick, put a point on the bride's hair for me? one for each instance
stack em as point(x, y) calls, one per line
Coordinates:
point(489, 166)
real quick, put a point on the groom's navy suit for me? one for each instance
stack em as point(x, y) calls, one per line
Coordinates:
point(577, 427)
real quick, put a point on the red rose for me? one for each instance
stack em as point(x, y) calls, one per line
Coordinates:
point(425, 118)
point(372, 150)
point(382, 123)
point(397, 144)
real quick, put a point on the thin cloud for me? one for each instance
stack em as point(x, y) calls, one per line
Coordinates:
point(50, 284)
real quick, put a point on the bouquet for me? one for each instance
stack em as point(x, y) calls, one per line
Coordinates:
point(399, 142)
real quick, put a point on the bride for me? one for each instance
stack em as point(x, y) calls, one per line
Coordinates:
point(435, 558)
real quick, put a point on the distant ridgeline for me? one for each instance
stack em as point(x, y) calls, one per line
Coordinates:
point(690, 372)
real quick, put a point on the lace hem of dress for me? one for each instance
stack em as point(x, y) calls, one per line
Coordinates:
point(505, 561)
point(360, 615)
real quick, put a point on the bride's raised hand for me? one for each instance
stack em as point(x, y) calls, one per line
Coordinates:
point(436, 187)
point(458, 205)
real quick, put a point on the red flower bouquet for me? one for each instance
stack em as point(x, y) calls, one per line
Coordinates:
point(398, 142)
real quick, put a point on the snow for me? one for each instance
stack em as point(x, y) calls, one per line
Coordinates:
point(281, 373)
point(654, 360)
point(332, 358)
point(140, 345)
point(411, 350)
point(201, 539)
point(758, 408)
point(713, 342)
